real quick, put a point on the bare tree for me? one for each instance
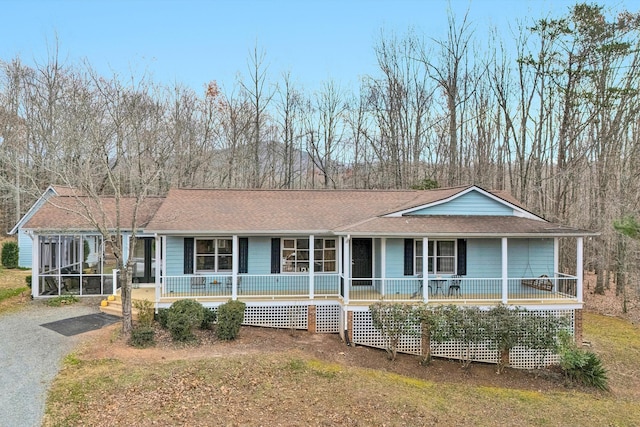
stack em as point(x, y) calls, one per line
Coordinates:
point(259, 96)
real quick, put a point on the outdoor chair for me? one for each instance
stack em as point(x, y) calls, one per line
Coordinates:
point(454, 287)
point(230, 281)
point(418, 293)
point(198, 282)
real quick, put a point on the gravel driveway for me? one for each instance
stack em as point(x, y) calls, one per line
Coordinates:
point(30, 357)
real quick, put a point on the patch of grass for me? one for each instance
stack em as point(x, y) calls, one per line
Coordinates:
point(13, 278)
point(617, 337)
point(71, 359)
point(62, 300)
point(297, 365)
point(617, 342)
point(10, 293)
point(324, 369)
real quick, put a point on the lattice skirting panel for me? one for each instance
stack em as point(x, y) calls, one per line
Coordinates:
point(528, 359)
point(328, 318)
point(365, 334)
point(286, 316)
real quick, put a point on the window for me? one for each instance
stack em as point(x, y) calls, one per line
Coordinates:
point(324, 255)
point(213, 255)
point(295, 255)
point(442, 254)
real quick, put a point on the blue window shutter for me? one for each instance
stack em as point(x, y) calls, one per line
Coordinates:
point(243, 249)
point(188, 255)
point(462, 257)
point(408, 257)
point(275, 255)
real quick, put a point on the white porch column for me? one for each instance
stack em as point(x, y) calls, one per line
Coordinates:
point(556, 262)
point(425, 269)
point(505, 271)
point(383, 267)
point(579, 268)
point(159, 265)
point(347, 267)
point(235, 257)
point(35, 265)
point(311, 266)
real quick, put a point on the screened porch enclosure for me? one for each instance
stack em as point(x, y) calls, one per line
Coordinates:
point(74, 265)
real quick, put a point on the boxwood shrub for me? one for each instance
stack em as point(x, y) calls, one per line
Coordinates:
point(184, 316)
point(230, 318)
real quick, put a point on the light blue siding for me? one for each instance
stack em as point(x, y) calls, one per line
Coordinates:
point(527, 258)
point(395, 258)
point(25, 249)
point(472, 203)
point(530, 257)
point(175, 256)
point(259, 261)
point(484, 258)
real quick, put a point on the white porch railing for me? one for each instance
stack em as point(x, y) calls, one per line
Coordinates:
point(410, 289)
point(250, 285)
point(453, 289)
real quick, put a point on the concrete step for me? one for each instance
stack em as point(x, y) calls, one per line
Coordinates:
point(115, 308)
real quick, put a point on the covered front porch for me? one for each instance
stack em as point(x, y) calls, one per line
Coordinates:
point(366, 269)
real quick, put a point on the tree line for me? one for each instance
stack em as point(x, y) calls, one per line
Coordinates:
point(552, 120)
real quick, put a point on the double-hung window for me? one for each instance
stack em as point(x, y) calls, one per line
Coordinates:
point(324, 255)
point(213, 255)
point(295, 255)
point(441, 258)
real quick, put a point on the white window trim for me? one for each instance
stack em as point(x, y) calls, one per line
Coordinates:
point(418, 254)
point(216, 255)
point(322, 261)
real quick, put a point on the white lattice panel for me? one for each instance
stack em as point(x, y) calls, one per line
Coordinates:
point(454, 350)
point(287, 316)
point(328, 319)
point(530, 359)
point(365, 334)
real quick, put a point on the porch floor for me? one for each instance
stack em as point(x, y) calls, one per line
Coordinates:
point(368, 296)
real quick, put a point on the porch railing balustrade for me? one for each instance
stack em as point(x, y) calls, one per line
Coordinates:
point(409, 289)
point(250, 285)
point(452, 289)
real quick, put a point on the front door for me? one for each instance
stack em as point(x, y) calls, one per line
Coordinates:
point(361, 261)
point(145, 258)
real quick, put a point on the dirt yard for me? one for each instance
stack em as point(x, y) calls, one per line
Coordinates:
point(326, 347)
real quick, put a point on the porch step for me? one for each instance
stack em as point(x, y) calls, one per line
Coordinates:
point(115, 308)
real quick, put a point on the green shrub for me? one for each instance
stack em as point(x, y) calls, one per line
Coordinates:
point(580, 365)
point(230, 318)
point(142, 337)
point(62, 300)
point(145, 312)
point(393, 321)
point(183, 317)
point(209, 318)
point(10, 254)
point(28, 280)
point(162, 317)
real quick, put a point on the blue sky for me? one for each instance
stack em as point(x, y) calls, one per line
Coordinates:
point(193, 42)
